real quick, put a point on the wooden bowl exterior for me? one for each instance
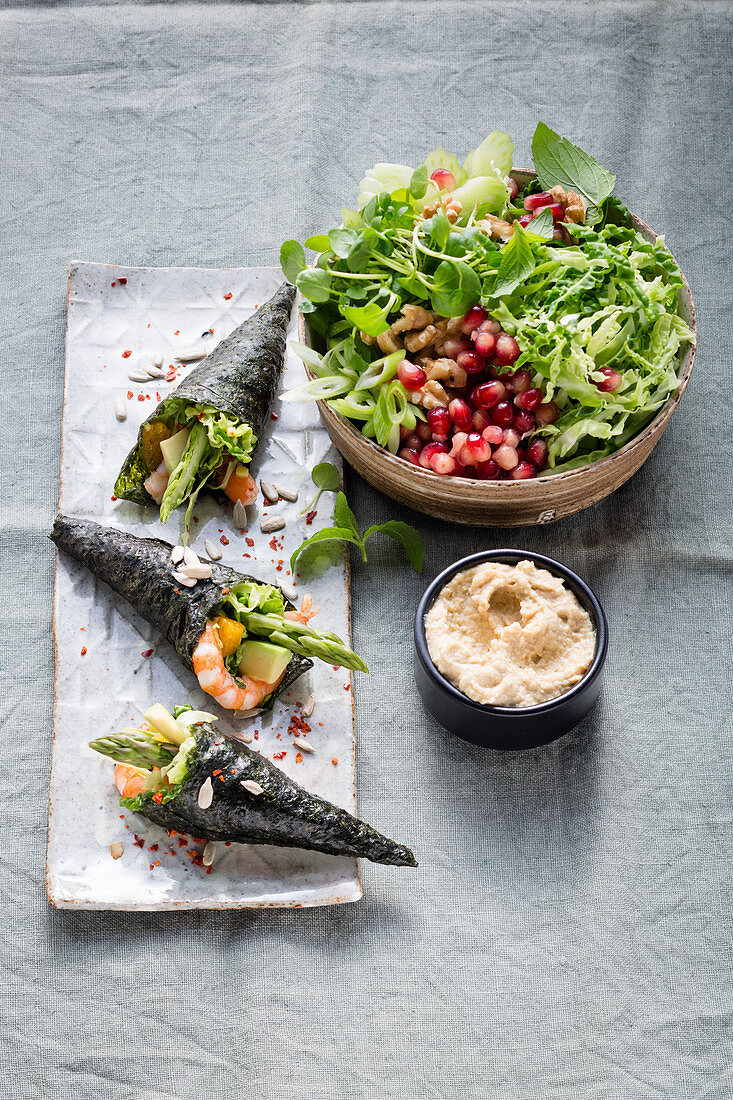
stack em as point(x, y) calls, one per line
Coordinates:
point(505, 503)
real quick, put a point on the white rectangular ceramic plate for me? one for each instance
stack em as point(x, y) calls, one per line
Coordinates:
point(104, 680)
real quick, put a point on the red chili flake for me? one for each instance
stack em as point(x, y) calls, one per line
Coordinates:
point(113, 497)
point(224, 540)
point(227, 296)
point(217, 772)
point(195, 519)
point(158, 797)
point(256, 735)
point(211, 331)
point(83, 650)
point(335, 667)
point(139, 842)
point(129, 395)
point(209, 869)
point(176, 590)
point(153, 847)
point(227, 843)
point(126, 354)
point(170, 376)
point(157, 396)
point(122, 817)
point(278, 568)
point(141, 397)
point(279, 755)
point(122, 280)
point(334, 759)
point(274, 416)
point(150, 866)
point(113, 284)
point(177, 332)
point(347, 687)
point(233, 771)
point(273, 543)
point(147, 396)
point(182, 842)
point(299, 758)
point(246, 555)
point(157, 863)
point(310, 516)
point(250, 542)
point(147, 653)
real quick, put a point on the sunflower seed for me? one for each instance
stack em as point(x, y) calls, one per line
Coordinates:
point(138, 375)
point(155, 372)
point(308, 706)
point(120, 408)
point(190, 556)
point(206, 794)
point(187, 582)
point(212, 550)
point(246, 737)
point(158, 359)
point(301, 743)
point(116, 849)
point(189, 355)
point(252, 787)
point(239, 516)
point(200, 572)
point(251, 713)
point(177, 554)
point(269, 491)
point(275, 524)
point(288, 590)
point(285, 493)
point(209, 852)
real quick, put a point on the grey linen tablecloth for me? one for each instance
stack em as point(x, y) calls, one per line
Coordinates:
point(567, 933)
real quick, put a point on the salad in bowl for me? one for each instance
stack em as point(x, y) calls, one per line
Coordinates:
point(485, 328)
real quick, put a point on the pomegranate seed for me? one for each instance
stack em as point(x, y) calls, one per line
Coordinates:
point(409, 456)
point(506, 457)
point(488, 394)
point(485, 342)
point(536, 202)
point(475, 316)
point(481, 420)
point(558, 214)
point(494, 327)
point(611, 380)
point(524, 422)
point(476, 449)
point(411, 376)
point(461, 414)
point(511, 437)
point(546, 413)
point(537, 453)
point(444, 464)
point(429, 450)
point(494, 434)
point(423, 431)
point(413, 442)
point(522, 471)
point(528, 399)
point(404, 434)
point(443, 179)
point(557, 234)
point(513, 189)
point(457, 443)
point(520, 381)
point(503, 414)
point(440, 423)
point(487, 471)
point(471, 362)
point(453, 347)
point(525, 220)
point(507, 349)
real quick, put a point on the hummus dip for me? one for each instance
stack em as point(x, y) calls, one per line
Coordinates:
point(509, 635)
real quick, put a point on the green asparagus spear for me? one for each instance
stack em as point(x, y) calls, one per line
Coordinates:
point(303, 639)
point(135, 747)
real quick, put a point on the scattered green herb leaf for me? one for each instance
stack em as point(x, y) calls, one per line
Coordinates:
point(292, 259)
point(517, 263)
point(558, 161)
point(348, 531)
point(326, 477)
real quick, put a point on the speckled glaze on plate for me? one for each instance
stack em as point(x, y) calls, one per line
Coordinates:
point(148, 310)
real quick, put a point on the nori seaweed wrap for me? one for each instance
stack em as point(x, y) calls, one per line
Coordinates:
point(211, 423)
point(142, 572)
point(274, 810)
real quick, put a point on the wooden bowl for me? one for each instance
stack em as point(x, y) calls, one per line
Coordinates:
point(505, 503)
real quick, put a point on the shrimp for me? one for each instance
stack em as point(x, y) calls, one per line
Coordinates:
point(215, 679)
point(306, 613)
point(157, 483)
point(128, 781)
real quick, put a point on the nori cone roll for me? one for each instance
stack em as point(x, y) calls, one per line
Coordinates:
point(140, 570)
point(238, 378)
point(284, 814)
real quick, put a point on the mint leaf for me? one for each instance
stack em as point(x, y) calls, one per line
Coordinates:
point(314, 284)
point(344, 516)
point(558, 161)
point(542, 226)
point(406, 535)
point(516, 265)
point(328, 534)
point(292, 260)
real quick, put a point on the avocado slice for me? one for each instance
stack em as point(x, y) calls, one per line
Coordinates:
point(263, 660)
point(172, 449)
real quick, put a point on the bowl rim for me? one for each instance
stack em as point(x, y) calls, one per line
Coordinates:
point(557, 568)
point(659, 421)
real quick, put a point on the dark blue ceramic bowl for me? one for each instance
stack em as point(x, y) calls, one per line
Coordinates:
point(508, 728)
